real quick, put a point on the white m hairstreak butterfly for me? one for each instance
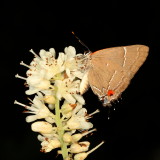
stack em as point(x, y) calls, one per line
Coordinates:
point(109, 71)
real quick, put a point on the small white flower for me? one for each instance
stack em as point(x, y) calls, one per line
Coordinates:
point(51, 54)
point(37, 83)
point(42, 70)
point(74, 65)
point(39, 110)
point(69, 90)
point(78, 121)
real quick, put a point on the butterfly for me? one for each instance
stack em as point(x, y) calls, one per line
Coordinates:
point(109, 71)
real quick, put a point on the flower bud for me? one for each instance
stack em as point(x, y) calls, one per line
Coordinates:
point(76, 137)
point(50, 119)
point(80, 156)
point(66, 108)
point(49, 99)
point(68, 158)
point(42, 127)
point(67, 138)
point(79, 147)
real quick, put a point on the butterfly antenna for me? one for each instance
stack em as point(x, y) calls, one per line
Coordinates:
point(82, 43)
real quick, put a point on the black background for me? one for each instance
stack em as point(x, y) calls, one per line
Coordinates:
point(133, 131)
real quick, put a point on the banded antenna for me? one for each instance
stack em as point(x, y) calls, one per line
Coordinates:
point(82, 43)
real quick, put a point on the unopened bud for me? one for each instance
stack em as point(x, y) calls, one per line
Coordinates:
point(79, 147)
point(50, 99)
point(42, 127)
point(76, 137)
point(68, 158)
point(67, 138)
point(66, 108)
point(80, 156)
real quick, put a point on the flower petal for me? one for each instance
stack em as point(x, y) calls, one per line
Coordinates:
point(32, 90)
point(42, 127)
point(79, 98)
point(31, 118)
point(70, 52)
point(69, 98)
point(52, 50)
point(82, 112)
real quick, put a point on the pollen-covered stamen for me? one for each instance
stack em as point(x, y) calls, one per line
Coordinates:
point(23, 64)
point(91, 114)
point(31, 50)
point(18, 76)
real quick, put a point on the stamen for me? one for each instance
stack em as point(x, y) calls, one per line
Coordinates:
point(31, 50)
point(89, 116)
point(92, 150)
point(85, 133)
point(21, 104)
point(23, 64)
point(29, 99)
point(17, 76)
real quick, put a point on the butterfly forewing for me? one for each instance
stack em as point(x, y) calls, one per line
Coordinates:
point(112, 69)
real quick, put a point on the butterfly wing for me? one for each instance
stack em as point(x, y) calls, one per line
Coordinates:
point(110, 70)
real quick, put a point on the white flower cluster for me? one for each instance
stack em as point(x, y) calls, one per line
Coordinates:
point(57, 107)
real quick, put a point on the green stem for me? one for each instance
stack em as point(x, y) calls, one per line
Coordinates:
point(60, 130)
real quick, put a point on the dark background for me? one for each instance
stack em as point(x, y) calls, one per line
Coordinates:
point(133, 131)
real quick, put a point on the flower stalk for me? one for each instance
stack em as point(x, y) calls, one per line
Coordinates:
point(60, 129)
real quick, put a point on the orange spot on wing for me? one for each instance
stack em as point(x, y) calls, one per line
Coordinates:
point(110, 92)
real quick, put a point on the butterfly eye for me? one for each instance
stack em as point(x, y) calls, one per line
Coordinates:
point(110, 93)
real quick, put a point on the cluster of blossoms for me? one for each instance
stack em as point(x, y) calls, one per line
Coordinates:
point(57, 111)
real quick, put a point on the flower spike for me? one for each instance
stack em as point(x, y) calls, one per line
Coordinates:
point(56, 111)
